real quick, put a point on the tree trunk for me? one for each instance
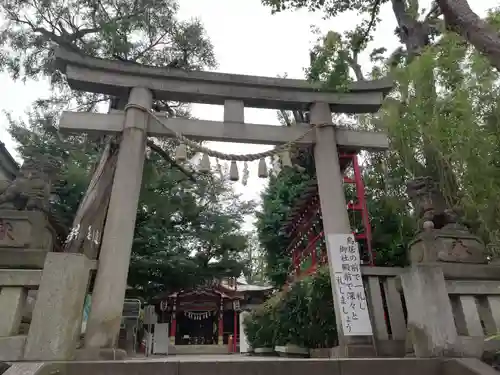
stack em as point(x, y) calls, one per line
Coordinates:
point(414, 35)
point(460, 18)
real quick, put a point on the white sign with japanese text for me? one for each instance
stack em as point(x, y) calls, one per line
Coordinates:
point(344, 254)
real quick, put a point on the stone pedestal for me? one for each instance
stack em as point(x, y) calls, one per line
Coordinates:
point(452, 243)
point(25, 238)
point(431, 324)
point(56, 320)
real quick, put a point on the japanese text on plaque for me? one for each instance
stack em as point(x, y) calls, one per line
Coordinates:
point(349, 285)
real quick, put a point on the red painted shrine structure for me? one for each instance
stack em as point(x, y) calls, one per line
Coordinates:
point(307, 247)
point(210, 314)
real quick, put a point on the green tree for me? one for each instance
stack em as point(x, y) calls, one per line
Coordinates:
point(186, 231)
point(277, 201)
point(255, 259)
point(438, 117)
point(416, 29)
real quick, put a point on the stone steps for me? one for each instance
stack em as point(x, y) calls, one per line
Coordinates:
point(232, 365)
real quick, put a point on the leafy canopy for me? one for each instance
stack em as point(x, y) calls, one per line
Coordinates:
point(185, 232)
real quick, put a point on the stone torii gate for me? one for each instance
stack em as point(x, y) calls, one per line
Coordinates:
point(142, 84)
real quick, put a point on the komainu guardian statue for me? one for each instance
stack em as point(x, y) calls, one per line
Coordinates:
point(31, 189)
point(441, 236)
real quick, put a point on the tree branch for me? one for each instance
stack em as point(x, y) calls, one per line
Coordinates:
point(373, 17)
point(460, 18)
point(150, 47)
point(433, 12)
point(82, 32)
point(284, 114)
point(413, 33)
point(353, 63)
point(153, 146)
point(49, 35)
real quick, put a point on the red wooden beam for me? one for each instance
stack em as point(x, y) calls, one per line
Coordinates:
point(304, 227)
point(360, 190)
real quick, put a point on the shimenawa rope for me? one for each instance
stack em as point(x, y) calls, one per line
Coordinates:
point(230, 157)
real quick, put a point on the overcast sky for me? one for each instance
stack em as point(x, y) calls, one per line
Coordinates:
point(247, 40)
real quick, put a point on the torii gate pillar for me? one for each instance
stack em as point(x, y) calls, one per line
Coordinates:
point(331, 192)
point(114, 259)
point(336, 223)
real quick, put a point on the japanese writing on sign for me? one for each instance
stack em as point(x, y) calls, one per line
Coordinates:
point(93, 235)
point(344, 253)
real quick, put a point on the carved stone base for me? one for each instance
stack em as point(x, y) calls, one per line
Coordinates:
point(453, 243)
point(25, 238)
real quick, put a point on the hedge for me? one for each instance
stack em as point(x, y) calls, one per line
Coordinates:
point(302, 315)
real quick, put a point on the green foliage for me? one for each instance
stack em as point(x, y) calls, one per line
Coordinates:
point(357, 38)
point(255, 257)
point(292, 316)
point(303, 315)
point(260, 325)
point(38, 136)
point(331, 7)
point(333, 59)
point(460, 125)
point(442, 120)
point(277, 200)
point(329, 62)
point(390, 216)
point(185, 232)
point(322, 328)
point(146, 32)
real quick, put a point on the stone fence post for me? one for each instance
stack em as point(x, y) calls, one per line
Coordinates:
point(431, 324)
point(442, 238)
point(57, 316)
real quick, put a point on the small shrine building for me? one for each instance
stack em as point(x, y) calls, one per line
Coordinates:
point(210, 314)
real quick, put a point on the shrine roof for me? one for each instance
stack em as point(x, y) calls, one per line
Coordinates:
point(218, 290)
point(253, 288)
point(203, 292)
